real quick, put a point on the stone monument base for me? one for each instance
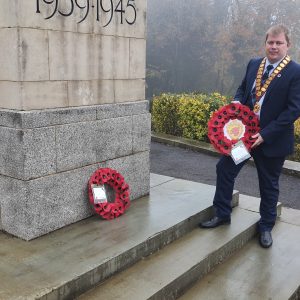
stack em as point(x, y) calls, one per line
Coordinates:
point(47, 157)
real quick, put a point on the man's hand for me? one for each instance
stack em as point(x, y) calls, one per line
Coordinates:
point(259, 140)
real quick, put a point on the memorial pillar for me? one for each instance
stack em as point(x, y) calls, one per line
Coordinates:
point(72, 99)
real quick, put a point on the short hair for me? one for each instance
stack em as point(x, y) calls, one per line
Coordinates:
point(277, 29)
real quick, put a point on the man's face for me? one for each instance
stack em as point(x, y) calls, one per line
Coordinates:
point(276, 47)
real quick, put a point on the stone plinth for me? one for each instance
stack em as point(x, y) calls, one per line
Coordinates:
point(72, 99)
point(47, 157)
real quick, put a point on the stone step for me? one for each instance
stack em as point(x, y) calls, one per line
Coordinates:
point(256, 273)
point(72, 260)
point(170, 272)
point(252, 204)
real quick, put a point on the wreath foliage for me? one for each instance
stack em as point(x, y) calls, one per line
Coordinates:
point(112, 178)
point(229, 116)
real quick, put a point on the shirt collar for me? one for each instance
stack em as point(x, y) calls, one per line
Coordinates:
point(274, 64)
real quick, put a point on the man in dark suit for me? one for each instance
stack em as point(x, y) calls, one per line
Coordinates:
point(271, 88)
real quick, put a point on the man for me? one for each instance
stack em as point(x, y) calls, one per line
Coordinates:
point(271, 88)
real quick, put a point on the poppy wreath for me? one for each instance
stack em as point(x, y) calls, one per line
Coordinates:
point(110, 210)
point(230, 124)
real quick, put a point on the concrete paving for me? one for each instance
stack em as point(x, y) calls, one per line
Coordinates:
point(252, 204)
point(68, 262)
point(168, 273)
point(255, 273)
point(71, 260)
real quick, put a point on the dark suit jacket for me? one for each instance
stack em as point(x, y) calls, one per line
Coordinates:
point(280, 108)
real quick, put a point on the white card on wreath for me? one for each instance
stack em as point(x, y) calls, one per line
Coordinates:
point(99, 193)
point(239, 152)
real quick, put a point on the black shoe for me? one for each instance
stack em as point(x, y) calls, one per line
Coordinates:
point(265, 239)
point(214, 222)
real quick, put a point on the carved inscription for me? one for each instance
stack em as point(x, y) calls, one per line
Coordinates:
point(125, 8)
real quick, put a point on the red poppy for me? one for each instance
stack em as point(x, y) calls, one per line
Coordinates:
point(224, 147)
point(223, 112)
point(214, 122)
point(245, 111)
point(232, 109)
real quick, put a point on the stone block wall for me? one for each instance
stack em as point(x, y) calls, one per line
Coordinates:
point(49, 155)
point(60, 62)
point(72, 100)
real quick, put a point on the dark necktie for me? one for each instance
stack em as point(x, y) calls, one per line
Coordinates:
point(266, 74)
point(263, 80)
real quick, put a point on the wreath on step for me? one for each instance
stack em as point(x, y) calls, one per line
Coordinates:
point(98, 186)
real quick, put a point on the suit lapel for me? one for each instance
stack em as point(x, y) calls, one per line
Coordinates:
point(252, 76)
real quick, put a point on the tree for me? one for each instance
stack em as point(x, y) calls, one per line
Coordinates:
point(205, 45)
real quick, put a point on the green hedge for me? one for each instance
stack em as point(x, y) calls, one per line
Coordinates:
point(164, 114)
point(185, 114)
point(296, 155)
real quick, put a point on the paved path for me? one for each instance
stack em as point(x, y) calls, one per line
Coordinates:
point(199, 167)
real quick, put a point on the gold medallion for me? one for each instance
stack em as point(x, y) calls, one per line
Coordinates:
point(256, 108)
point(234, 129)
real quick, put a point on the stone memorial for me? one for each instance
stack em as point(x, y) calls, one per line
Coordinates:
point(72, 100)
